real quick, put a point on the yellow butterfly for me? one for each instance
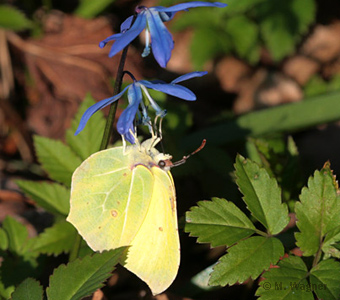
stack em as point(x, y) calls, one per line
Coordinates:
point(126, 197)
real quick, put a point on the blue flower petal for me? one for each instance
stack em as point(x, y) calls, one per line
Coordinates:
point(128, 36)
point(189, 76)
point(94, 108)
point(171, 89)
point(125, 122)
point(109, 39)
point(185, 6)
point(161, 39)
point(130, 136)
point(126, 24)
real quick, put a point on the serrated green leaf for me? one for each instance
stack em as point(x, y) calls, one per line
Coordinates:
point(246, 259)
point(288, 282)
point(56, 158)
point(283, 22)
point(325, 279)
point(318, 211)
point(54, 240)
point(17, 234)
point(89, 8)
point(82, 276)
point(29, 289)
point(330, 244)
point(53, 197)
point(3, 240)
point(244, 34)
point(218, 222)
point(262, 195)
point(88, 141)
point(13, 19)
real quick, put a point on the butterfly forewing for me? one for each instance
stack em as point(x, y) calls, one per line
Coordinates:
point(109, 199)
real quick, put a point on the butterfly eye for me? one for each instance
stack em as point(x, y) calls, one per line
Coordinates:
point(161, 164)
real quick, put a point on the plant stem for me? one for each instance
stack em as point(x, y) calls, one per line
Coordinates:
point(113, 108)
point(76, 247)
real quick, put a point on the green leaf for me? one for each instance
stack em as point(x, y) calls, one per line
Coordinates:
point(282, 118)
point(262, 195)
point(6, 291)
point(13, 19)
point(325, 279)
point(282, 24)
point(53, 197)
point(246, 259)
point(17, 234)
point(82, 277)
point(88, 141)
point(245, 37)
point(3, 240)
point(288, 282)
point(56, 158)
point(218, 222)
point(29, 289)
point(54, 240)
point(89, 8)
point(206, 43)
point(239, 7)
point(318, 211)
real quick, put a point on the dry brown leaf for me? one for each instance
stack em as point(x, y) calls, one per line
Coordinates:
point(300, 68)
point(64, 65)
point(324, 43)
point(230, 71)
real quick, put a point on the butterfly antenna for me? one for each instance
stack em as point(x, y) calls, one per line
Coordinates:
point(184, 159)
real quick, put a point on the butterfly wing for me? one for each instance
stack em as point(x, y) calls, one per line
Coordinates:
point(109, 199)
point(155, 252)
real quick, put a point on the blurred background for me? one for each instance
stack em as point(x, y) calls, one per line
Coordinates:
point(272, 94)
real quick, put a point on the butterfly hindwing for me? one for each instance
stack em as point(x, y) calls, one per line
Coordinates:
point(155, 252)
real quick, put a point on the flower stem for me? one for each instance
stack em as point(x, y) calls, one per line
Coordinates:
point(113, 108)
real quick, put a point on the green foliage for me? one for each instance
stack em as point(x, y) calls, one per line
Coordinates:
point(54, 240)
point(289, 281)
point(53, 197)
point(280, 119)
point(262, 195)
point(23, 257)
point(292, 280)
point(325, 278)
point(318, 212)
point(89, 8)
point(282, 23)
point(29, 289)
point(316, 85)
point(56, 158)
point(218, 221)
point(250, 250)
point(17, 234)
point(88, 141)
point(243, 27)
point(247, 259)
point(82, 277)
point(13, 19)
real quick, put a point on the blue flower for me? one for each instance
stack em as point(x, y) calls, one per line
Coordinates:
point(151, 19)
point(125, 124)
